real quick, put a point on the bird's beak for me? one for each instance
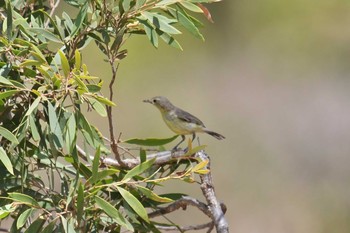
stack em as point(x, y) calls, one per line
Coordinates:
point(147, 101)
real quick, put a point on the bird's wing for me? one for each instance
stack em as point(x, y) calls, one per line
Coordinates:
point(185, 116)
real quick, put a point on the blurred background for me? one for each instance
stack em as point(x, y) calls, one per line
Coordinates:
point(273, 77)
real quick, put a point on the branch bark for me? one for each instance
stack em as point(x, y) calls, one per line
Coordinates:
point(209, 193)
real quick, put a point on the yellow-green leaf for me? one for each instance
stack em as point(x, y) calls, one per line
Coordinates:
point(134, 203)
point(6, 161)
point(64, 63)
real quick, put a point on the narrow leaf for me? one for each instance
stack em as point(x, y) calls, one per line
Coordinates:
point(161, 22)
point(64, 63)
point(185, 21)
point(6, 161)
point(47, 34)
point(95, 165)
point(6, 94)
point(36, 226)
point(4, 80)
point(104, 100)
point(23, 218)
point(56, 132)
point(100, 108)
point(8, 135)
point(24, 199)
point(153, 196)
point(169, 40)
point(134, 203)
point(30, 63)
point(151, 141)
point(138, 169)
point(80, 202)
point(33, 106)
point(77, 58)
point(192, 7)
point(113, 213)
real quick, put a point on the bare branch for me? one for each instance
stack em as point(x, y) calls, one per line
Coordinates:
point(187, 228)
point(53, 8)
point(208, 191)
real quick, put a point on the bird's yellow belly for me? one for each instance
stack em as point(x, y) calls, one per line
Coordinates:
point(179, 126)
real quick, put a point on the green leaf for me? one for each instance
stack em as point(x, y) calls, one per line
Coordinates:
point(24, 199)
point(195, 150)
point(30, 63)
point(153, 196)
point(4, 80)
point(71, 130)
point(143, 155)
point(38, 57)
point(106, 172)
point(68, 225)
point(9, 19)
point(100, 108)
point(150, 141)
point(95, 165)
point(192, 7)
point(113, 213)
point(169, 40)
point(138, 169)
point(126, 5)
point(80, 202)
point(50, 227)
point(161, 22)
point(64, 63)
point(6, 210)
point(23, 218)
point(6, 161)
point(140, 3)
point(150, 32)
point(36, 225)
point(93, 87)
point(56, 132)
point(134, 203)
point(77, 58)
point(8, 135)
point(6, 94)
point(34, 129)
point(80, 84)
point(47, 34)
point(185, 21)
point(80, 19)
point(104, 100)
point(33, 106)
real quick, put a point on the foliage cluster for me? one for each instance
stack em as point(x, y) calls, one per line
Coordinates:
point(48, 183)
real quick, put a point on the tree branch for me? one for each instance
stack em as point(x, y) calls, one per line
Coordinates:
point(209, 193)
point(181, 203)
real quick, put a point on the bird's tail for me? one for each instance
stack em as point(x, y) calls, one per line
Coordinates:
point(215, 135)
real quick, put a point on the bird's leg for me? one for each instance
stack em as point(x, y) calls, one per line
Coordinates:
point(183, 139)
point(193, 136)
point(198, 141)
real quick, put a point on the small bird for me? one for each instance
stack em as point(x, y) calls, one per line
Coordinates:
point(180, 121)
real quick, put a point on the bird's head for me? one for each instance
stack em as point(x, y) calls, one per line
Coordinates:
point(161, 102)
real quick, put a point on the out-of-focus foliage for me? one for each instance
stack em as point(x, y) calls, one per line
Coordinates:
point(48, 183)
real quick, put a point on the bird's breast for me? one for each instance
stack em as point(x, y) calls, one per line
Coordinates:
point(179, 126)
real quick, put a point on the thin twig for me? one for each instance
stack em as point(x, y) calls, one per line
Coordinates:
point(181, 203)
point(53, 8)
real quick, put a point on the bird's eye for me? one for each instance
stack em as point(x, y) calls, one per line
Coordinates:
point(155, 101)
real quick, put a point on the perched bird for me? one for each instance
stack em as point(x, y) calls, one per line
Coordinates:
point(180, 121)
